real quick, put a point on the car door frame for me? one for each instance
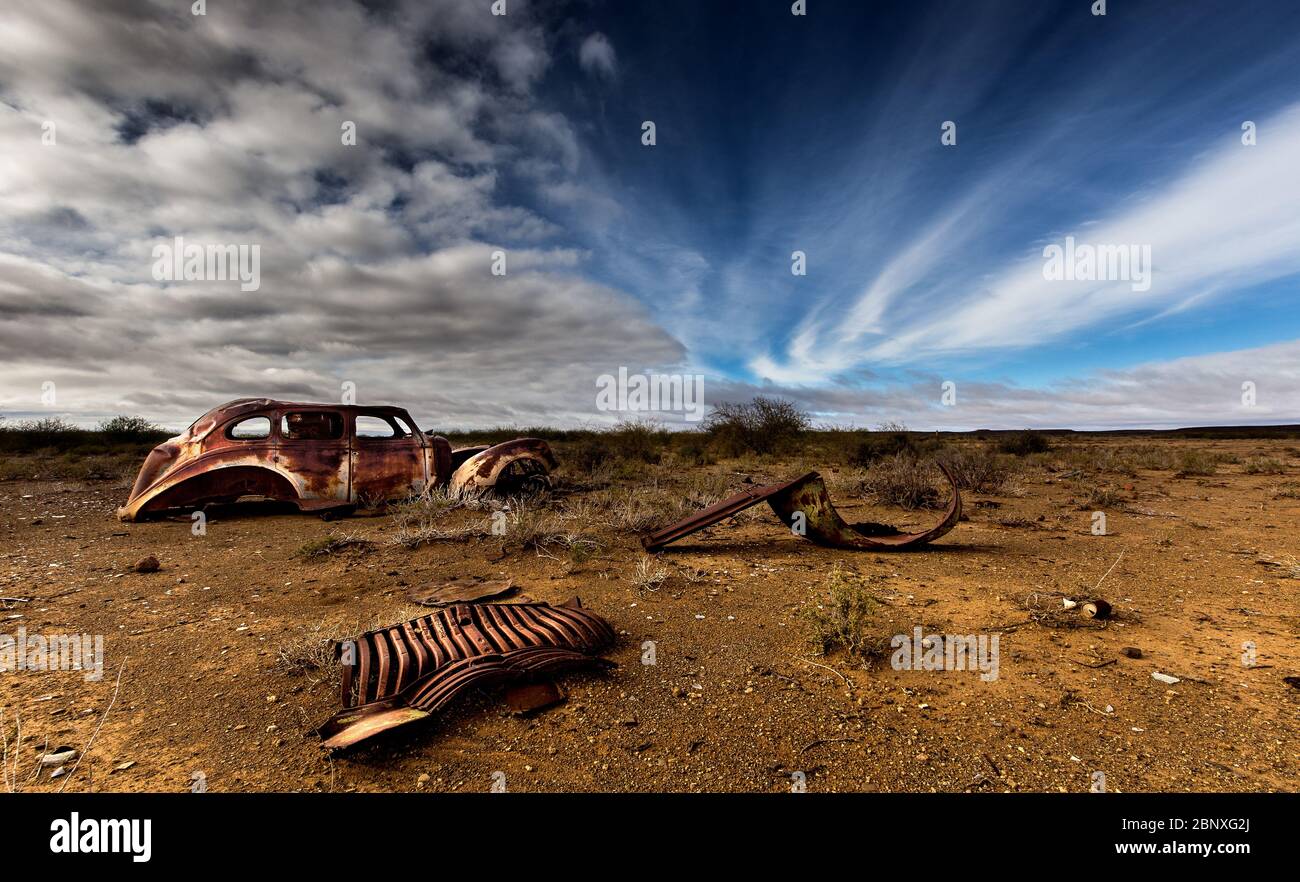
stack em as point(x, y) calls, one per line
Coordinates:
point(410, 447)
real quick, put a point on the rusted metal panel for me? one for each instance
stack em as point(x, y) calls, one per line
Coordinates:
point(405, 672)
point(510, 467)
point(805, 507)
point(529, 698)
point(311, 455)
point(459, 589)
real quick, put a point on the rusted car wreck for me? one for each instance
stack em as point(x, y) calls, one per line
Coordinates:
point(325, 458)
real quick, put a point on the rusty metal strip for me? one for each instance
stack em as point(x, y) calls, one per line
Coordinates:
point(719, 511)
point(468, 646)
point(805, 507)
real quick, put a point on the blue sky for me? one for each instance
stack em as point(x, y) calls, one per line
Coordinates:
point(821, 133)
point(818, 133)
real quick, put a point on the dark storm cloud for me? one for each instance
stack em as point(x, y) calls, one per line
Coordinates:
point(375, 258)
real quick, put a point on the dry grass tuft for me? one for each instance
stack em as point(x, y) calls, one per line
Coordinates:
point(900, 480)
point(648, 574)
point(333, 544)
point(1264, 465)
point(1196, 463)
point(980, 469)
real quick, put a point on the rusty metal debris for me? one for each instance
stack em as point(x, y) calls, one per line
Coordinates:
point(805, 507)
point(518, 466)
point(459, 589)
point(324, 458)
point(529, 698)
point(407, 672)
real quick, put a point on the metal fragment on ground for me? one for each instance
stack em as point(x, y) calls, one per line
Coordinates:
point(409, 671)
point(461, 589)
point(804, 505)
point(529, 698)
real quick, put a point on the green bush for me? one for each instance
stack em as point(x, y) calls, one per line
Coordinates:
point(843, 619)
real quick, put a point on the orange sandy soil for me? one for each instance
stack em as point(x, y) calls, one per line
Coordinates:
point(737, 700)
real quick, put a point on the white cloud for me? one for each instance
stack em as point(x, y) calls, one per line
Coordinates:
point(597, 56)
point(1192, 391)
point(1228, 222)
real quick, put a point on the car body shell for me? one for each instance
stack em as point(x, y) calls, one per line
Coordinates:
point(320, 457)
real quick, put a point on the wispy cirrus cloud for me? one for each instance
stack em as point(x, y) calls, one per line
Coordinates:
point(1228, 223)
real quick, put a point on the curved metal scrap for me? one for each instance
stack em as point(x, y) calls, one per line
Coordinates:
point(805, 507)
point(823, 524)
point(509, 467)
point(407, 672)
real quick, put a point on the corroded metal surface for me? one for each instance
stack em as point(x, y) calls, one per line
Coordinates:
point(313, 456)
point(459, 589)
point(805, 507)
point(510, 467)
point(405, 672)
point(719, 511)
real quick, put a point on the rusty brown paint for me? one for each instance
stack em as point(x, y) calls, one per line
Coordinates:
point(206, 464)
point(805, 507)
point(511, 466)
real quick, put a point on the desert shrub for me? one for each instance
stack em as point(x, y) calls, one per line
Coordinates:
point(129, 430)
point(762, 426)
point(900, 480)
point(50, 437)
point(1099, 458)
point(648, 574)
point(692, 448)
point(530, 525)
point(421, 519)
point(889, 440)
point(1264, 465)
point(1151, 456)
point(587, 455)
point(629, 509)
point(42, 434)
point(637, 441)
point(978, 468)
point(333, 544)
point(616, 449)
point(834, 444)
point(1100, 496)
point(1025, 443)
point(842, 619)
point(1196, 462)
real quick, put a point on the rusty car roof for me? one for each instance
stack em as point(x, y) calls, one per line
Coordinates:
point(242, 406)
